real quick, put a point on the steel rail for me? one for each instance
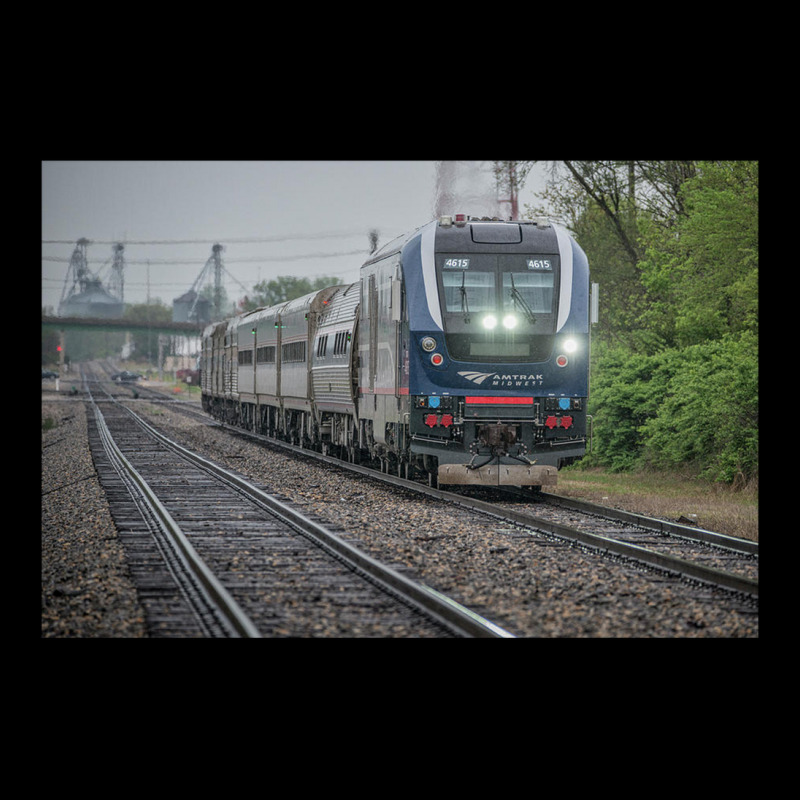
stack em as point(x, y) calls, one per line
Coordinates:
point(596, 541)
point(652, 558)
point(236, 620)
point(652, 523)
point(453, 615)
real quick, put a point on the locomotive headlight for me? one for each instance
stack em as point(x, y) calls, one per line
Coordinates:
point(490, 321)
point(509, 321)
point(428, 344)
point(570, 345)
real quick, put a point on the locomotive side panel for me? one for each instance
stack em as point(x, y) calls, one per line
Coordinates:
point(383, 385)
point(205, 361)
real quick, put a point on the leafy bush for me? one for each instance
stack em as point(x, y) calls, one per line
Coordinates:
point(709, 417)
point(694, 406)
point(626, 390)
point(674, 381)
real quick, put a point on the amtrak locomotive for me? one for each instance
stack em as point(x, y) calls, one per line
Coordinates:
point(461, 353)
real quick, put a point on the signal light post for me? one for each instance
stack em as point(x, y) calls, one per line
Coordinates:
point(60, 349)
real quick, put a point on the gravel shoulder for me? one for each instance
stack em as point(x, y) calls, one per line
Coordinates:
point(87, 591)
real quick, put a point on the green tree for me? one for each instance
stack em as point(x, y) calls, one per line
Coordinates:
point(701, 275)
point(606, 204)
point(709, 415)
point(145, 342)
point(281, 289)
point(674, 246)
point(627, 389)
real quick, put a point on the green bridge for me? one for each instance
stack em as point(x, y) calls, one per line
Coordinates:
point(94, 323)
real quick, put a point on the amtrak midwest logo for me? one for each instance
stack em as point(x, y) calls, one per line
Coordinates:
point(502, 380)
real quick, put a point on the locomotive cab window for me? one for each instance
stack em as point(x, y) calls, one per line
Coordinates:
point(498, 307)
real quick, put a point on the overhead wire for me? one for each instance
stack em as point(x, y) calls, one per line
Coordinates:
point(248, 259)
point(236, 240)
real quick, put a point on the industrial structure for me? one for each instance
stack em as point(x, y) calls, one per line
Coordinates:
point(84, 294)
point(191, 307)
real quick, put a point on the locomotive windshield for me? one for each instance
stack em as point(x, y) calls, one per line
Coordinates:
point(498, 307)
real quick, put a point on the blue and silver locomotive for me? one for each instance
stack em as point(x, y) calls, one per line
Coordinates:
point(462, 353)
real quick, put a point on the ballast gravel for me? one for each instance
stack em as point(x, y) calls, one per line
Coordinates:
point(87, 591)
point(531, 586)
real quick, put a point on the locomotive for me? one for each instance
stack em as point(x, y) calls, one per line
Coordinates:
point(461, 353)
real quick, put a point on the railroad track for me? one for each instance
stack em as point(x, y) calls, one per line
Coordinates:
point(731, 561)
point(216, 556)
point(514, 540)
point(695, 554)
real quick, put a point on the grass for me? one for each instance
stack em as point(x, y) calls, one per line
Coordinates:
point(668, 496)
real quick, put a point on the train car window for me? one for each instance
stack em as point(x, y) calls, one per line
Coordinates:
point(293, 352)
point(266, 354)
point(340, 344)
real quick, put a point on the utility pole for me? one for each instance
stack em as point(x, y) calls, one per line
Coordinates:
point(217, 249)
point(116, 281)
point(510, 175)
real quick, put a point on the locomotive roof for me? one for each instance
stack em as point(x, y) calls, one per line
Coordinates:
point(483, 230)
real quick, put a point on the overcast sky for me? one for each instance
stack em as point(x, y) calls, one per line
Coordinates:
point(264, 213)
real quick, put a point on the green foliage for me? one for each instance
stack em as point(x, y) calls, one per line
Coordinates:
point(145, 342)
point(701, 274)
point(623, 296)
point(683, 407)
point(626, 389)
point(675, 359)
point(283, 288)
point(154, 312)
point(709, 415)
